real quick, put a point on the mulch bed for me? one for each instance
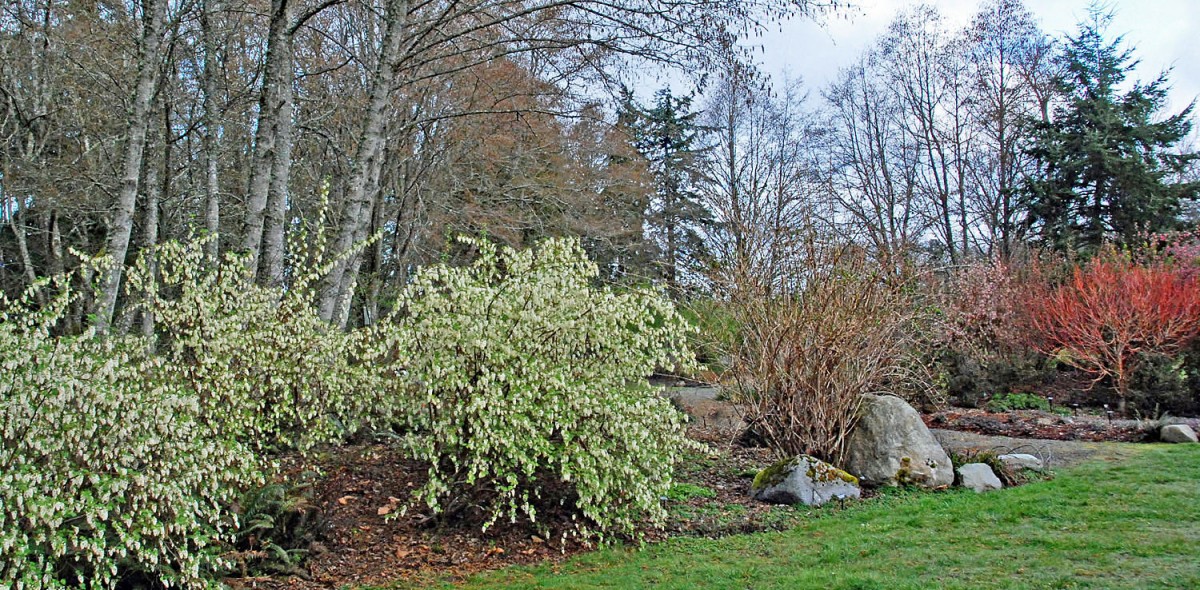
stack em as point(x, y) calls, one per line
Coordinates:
point(1039, 425)
point(363, 539)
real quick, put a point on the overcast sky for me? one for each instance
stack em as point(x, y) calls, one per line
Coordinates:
point(1163, 33)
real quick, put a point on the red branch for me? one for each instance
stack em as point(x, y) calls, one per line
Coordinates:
point(1111, 311)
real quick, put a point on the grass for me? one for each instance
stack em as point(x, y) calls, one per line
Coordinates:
point(1134, 524)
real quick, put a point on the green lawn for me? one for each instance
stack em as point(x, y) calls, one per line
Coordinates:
point(1134, 524)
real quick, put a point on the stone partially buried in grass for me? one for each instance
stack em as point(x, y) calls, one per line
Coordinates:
point(979, 477)
point(1177, 433)
point(803, 480)
point(1021, 461)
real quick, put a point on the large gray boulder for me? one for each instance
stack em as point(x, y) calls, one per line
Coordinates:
point(1177, 433)
point(891, 446)
point(805, 480)
point(979, 477)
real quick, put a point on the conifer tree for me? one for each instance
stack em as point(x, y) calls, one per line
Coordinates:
point(1106, 171)
point(669, 136)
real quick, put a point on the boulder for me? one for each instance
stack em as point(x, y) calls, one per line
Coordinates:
point(1177, 433)
point(891, 446)
point(1021, 461)
point(805, 480)
point(979, 477)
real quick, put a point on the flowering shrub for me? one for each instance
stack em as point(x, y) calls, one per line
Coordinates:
point(116, 460)
point(527, 379)
point(1180, 248)
point(1113, 312)
point(259, 361)
point(515, 376)
point(983, 309)
point(105, 469)
point(981, 338)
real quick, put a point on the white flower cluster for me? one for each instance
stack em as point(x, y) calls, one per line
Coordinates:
point(260, 361)
point(117, 460)
point(512, 377)
point(104, 467)
point(526, 376)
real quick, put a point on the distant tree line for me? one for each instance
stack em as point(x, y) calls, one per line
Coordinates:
point(947, 146)
point(276, 124)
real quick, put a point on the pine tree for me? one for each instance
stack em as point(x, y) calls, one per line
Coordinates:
point(1105, 170)
point(668, 135)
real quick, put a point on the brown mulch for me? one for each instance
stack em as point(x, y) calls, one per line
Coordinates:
point(365, 540)
point(1034, 424)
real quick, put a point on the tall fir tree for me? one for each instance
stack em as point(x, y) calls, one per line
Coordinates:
point(669, 136)
point(1105, 169)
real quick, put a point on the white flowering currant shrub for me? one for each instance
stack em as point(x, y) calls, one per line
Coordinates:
point(263, 366)
point(528, 379)
point(105, 469)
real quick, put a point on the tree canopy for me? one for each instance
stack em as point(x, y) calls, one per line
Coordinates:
point(1107, 171)
point(668, 135)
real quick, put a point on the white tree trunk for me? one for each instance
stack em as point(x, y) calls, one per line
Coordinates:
point(18, 230)
point(153, 18)
point(277, 73)
point(212, 129)
point(274, 246)
point(338, 288)
point(153, 191)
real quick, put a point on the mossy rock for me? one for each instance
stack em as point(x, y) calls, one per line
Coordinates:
point(775, 474)
point(822, 472)
point(803, 479)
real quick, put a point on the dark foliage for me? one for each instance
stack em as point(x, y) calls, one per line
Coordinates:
point(1106, 170)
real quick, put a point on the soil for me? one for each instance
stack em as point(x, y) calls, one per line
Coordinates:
point(1037, 424)
point(1055, 454)
point(365, 537)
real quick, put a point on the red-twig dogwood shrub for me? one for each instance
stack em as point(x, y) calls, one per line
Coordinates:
point(1111, 311)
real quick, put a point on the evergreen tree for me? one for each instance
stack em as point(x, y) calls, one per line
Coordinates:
point(1104, 169)
point(668, 135)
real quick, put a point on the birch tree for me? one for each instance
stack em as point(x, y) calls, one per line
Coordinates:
point(154, 14)
point(565, 37)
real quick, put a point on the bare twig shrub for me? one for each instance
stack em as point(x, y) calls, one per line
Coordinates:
point(978, 335)
point(813, 342)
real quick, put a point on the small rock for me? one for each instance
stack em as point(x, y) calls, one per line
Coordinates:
point(979, 477)
point(317, 548)
point(1178, 433)
point(803, 480)
point(1021, 461)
